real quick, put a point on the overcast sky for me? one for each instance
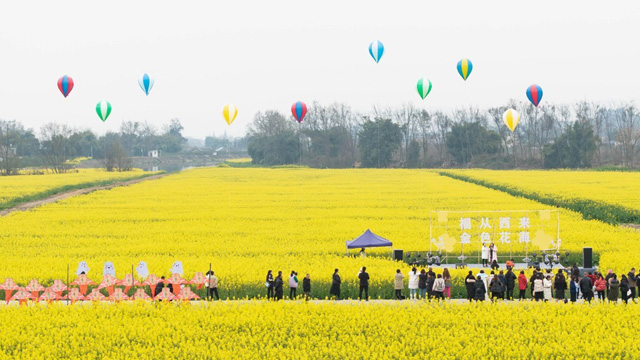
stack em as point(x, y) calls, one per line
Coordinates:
point(267, 54)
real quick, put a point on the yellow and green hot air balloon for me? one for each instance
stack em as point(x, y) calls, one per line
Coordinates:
point(229, 112)
point(424, 87)
point(511, 118)
point(464, 68)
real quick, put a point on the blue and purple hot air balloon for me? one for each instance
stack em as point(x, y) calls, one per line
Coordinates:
point(534, 93)
point(299, 110)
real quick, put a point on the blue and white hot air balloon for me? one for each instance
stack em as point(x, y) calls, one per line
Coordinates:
point(376, 49)
point(146, 83)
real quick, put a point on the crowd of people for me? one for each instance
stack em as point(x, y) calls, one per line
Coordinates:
point(543, 285)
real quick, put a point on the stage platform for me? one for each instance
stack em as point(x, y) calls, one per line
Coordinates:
point(502, 266)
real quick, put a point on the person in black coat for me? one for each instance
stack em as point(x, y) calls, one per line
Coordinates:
point(306, 286)
point(364, 283)
point(510, 279)
point(480, 291)
point(269, 285)
point(335, 285)
point(470, 283)
point(277, 285)
point(503, 280)
point(586, 288)
point(430, 281)
point(560, 284)
point(422, 283)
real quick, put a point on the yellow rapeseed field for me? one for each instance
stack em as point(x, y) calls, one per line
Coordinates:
point(246, 221)
point(294, 330)
point(21, 186)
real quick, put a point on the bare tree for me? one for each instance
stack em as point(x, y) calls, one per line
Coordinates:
point(54, 140)
point(10, 138)
point(628, 133)
point(441, 125)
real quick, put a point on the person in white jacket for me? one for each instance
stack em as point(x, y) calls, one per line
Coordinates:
point(438, 287)
point(413, 283)
point(547, 286)
point(485, 255)
point(293, 285)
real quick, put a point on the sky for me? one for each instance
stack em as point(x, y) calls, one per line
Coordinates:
point(265, 55)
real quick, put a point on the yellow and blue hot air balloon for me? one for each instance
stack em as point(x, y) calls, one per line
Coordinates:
point(464, 68)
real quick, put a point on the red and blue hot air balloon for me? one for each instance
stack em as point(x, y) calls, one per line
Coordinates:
point(65, 84)
point(534, 93)
point(299, 110)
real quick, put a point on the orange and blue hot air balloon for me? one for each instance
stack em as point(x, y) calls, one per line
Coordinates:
point(534, 93)
point(299, 110)
point(65, 84)
point(464, 68)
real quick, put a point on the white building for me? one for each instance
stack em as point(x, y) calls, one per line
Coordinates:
point(154, 153)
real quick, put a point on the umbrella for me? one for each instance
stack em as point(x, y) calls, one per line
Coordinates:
point(175, 280)
point(108, 282)
point(35, 287)
point(187, 294)
point(128, 282)
point(152, 281)
point(118, 295)
point(58, 287)
point(141, 295)
point(95, 295)
point(8, 286)
point(198, 279)
point(82, 281)
point(22, 295)
point(165, 294)
point(49, 295)
point(75, 295)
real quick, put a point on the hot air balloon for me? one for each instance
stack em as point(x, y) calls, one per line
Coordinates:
point(229, 112)
point(146, 83)
point(65, 84)
point(465, 66)
point(376, 49)
point(534, 93)
point(299, 110)
point(103, 109)
point(424, 87)
point(511, 118)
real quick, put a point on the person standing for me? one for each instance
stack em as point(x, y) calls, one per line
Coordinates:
point(574, 288)
point(538, 287)
point(362, 253)
point(493, 255)
point(547, 288)
point(586, 288)
point(212, 285)
point(438, 287)
point(398, 284)
point(270, 285)
point(496, 287)
point(364, 283)
point(608, 277)
point(614, 289)
point(306, 286)
point(447, 283)
point(335, 285)
point(278, 284)
point(625, 291)
point(522, 286)
point(560, 284)
point(633, 283)
point(430, 281)
point(470, 282)
point(503, 280)
point(485, 255)
point(601, 286)
point(422, 284)
point(510, 279)
point(293, 285)
point(480, 289)
point(413, 283)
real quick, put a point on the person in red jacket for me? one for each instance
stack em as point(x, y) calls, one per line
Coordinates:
point(522, 285)
point(601, 286)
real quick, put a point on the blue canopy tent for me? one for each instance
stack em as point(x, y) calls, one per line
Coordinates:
point(368, 239)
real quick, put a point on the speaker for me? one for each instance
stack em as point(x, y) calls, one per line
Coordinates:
point(587, 258)
point(398, 255)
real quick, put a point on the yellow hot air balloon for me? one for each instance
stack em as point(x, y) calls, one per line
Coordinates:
point(229, 112)
point(511, 118)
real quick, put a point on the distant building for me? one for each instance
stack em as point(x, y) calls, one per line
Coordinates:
point(154, 153)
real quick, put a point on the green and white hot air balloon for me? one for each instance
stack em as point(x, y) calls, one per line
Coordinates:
point(103, 109)
point(424, 87)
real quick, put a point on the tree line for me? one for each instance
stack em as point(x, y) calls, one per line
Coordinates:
point(55, 143)
point(582, 135)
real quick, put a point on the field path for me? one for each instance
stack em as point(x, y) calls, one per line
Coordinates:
point(67, 194)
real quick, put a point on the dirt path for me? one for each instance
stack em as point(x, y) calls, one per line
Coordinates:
point(67, 194)
point(632, 226)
